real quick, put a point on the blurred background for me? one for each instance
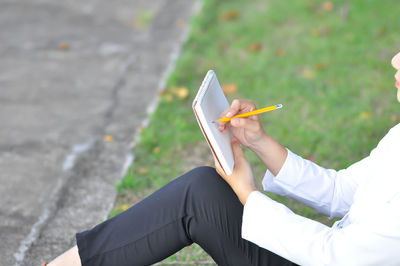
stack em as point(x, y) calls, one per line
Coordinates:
point(85, 84)
point(77, 79)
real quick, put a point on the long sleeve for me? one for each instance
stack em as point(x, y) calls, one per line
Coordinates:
point(367, 193)
point(328, 191)
point(273, 226)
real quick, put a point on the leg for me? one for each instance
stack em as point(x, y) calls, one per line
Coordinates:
point(70, 257)
point(196, 207)
point(215, 223)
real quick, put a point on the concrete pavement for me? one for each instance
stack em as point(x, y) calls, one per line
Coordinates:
point(72, 72)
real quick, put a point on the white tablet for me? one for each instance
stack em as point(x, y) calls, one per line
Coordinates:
point(210, 101)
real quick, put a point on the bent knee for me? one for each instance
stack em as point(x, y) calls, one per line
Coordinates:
point(205, 180)
point(203, 175)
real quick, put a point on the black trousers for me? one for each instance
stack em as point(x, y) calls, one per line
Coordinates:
point(197, 207)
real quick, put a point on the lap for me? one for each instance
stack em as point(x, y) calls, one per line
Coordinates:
point(199, 206)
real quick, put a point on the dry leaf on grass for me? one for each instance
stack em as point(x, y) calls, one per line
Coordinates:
point(327, 6)
point(381, 31)
point(310, 158)
point(280, 52)
point(229, 15)
point(229, 88)
point(315, 32)
point(222, 45)
point(319, 66)
point(181, 93)
point(320, 31)
point(124, 207)
point(365, 115)
point(141, 170)
point(156, 150)
point(169, 97)
point(162, 92)
point(308, 74)
point(254, 47)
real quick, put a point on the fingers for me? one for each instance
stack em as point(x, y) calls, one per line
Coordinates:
point(242, 106)
point(235, 107)
point(226, 113)
point(232, 110)
point(238, 106)
point(237, 152)
point(396, 61)
point(248, 124)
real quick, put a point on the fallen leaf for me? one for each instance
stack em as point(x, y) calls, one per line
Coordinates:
point(156, 150)
point(229, 15)
point(108, 138)
point(141, 170)
point(380, 32)
point(162, 92)
point(208, 164)
point(280, 52)
point(312, 6)
point(131, 22)
point(169, 97)
point(193, 45)
point(320, 31)
point(315, 32)
point(229, 88)
point(325, 30)
point(141, 21)
point(181, 92)
point(254, 47)
point(124, 207)
point(327, 6)
point(308, 74)
point(365, 115)
point(180, 22)
point(394, 118)
point(310, 158)
point(319, 66)
point(63, 46)
point(222, 45)
point(315, 9)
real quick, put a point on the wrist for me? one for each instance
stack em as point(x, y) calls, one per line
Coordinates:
point(259, 147)
point(271, 153)
point(244, 192)
point(245, 195)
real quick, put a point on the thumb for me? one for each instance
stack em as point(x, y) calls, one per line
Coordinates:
point(237, 151)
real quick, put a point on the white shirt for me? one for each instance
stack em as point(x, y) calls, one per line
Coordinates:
point(367, 194)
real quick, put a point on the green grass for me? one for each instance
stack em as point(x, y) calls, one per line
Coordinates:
point(330, 68)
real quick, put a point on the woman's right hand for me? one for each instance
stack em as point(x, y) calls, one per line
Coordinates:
point(247, 130)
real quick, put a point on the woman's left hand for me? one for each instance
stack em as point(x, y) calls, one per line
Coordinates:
point(241, 180)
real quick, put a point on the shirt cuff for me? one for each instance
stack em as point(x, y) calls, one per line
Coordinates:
point(286, 178)
point(249, 218)
point(257, 204)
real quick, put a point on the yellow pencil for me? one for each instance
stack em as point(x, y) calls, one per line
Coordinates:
point(255, 112)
